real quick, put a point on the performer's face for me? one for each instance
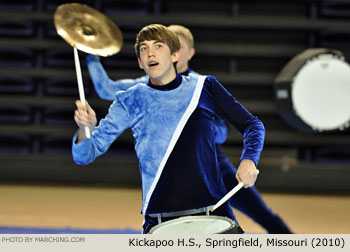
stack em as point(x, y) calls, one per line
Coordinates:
point(186, 53)
point(157, 61)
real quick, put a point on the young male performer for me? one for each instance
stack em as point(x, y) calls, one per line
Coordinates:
point(248, 201)
point(173, 122)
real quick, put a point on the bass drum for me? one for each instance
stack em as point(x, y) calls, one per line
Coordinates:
point(312, 92)
point(197, 225)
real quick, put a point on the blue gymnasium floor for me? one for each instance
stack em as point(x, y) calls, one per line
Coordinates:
point(36, 230)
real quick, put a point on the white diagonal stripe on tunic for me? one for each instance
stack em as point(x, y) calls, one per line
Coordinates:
point(191, 107)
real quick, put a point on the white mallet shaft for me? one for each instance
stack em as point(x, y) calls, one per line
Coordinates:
point(228, 195)
point(80, 85)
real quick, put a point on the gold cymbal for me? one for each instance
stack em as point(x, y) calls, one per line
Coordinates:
point(88, 29)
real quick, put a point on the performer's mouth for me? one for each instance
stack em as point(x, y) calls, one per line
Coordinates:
point(153, 64)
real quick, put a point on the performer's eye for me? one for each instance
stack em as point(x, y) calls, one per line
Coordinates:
point(158, 46)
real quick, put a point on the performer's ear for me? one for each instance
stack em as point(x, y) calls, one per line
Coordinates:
point(175, 56)
point(192, 53)
point(140, 63)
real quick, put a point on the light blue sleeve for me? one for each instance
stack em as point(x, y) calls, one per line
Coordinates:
point(104, 86)
point(108, 130)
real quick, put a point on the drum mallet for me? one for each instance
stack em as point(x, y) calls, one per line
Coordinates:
point(228, 195)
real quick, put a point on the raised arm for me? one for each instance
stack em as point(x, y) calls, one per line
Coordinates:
point(86, 150)
point(104, 86)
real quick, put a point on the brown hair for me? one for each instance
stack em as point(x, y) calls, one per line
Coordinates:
point(160, 33)
point(184, 32)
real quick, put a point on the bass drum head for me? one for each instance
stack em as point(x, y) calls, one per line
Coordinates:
point(321, 93)
point(197, 225)
point(312, 91)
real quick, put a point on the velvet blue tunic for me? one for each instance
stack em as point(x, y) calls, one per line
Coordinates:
point(174, 131)
point(247, 201)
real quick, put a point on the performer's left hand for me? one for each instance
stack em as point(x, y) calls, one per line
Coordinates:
point(247, 173)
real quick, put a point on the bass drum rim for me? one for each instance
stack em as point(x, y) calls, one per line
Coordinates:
point(283, 90)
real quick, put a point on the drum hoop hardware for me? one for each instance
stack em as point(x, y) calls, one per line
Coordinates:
point(159, 216)
point(189, 219)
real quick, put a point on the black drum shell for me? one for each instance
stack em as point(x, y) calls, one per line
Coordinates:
point(283, 87)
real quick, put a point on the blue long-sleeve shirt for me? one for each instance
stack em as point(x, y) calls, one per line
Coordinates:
point(104, 86)
point(188, 176)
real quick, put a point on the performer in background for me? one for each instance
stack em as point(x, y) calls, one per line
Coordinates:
point(248, 201)
point(173, 121)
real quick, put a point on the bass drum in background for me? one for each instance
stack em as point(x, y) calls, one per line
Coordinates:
point(312, 92)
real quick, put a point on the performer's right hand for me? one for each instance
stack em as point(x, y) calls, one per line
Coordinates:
point(84, 116)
